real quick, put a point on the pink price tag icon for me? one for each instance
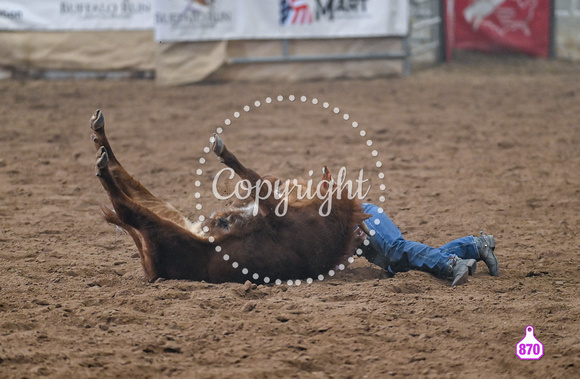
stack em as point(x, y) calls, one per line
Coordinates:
point(529, 348)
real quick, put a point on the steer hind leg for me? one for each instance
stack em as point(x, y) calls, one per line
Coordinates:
point(127, 214)
point(126, 209)
point(129, 185)
point(166, 249)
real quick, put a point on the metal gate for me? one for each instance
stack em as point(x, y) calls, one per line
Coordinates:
point(427, 30)
point(568, 29)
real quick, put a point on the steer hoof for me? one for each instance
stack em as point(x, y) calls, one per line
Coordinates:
point(217, 146)
point(97, 120)
point(102, 158)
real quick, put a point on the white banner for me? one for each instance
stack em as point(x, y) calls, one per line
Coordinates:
point(202, 20)
point(55, 15)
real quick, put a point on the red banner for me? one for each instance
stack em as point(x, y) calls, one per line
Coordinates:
point(499, 26)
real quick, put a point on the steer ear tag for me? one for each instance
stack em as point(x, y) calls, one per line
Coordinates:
point(529, 348)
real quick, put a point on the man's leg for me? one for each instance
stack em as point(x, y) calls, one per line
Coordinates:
point(478, 248)
point(388, 249)
point(464, 248)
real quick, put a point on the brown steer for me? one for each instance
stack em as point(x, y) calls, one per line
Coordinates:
point(299, 245)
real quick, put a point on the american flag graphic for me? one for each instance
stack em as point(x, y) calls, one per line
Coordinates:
point(294, 12)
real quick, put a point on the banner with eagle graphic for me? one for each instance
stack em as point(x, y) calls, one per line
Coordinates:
point(499, 26)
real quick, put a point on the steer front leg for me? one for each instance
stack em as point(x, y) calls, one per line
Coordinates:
point(226, 157)
point(267, 200)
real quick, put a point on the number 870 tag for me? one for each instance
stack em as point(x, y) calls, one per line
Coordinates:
point(529, 348)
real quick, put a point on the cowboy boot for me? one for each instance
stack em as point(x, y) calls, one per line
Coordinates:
point(461, 269)
point(486, 246)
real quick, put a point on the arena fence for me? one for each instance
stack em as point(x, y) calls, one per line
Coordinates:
point(286, 56)
point(133, 53)
point(423, 39)
point(45, 51)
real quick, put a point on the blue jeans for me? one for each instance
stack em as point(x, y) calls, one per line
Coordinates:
point(395, 254)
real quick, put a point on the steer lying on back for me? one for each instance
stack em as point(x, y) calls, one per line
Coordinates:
point(233, 244)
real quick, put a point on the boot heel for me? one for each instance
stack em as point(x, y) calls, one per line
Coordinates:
point(471, 266)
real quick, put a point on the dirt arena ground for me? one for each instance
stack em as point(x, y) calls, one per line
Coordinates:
point(485, 144)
